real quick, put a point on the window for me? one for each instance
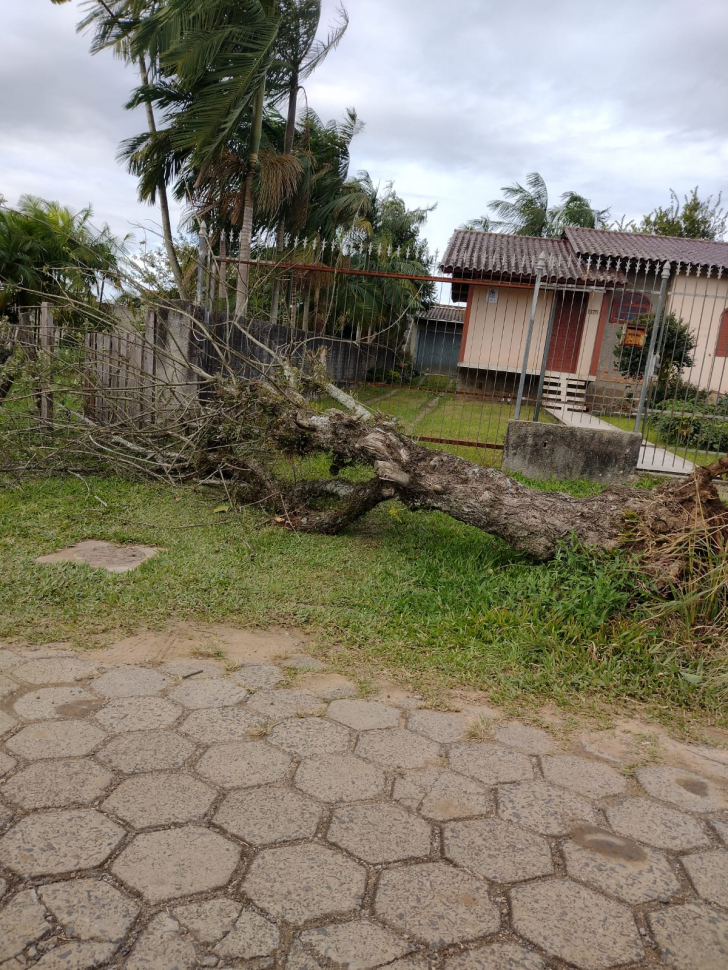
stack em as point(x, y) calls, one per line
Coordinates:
point(628, 306)
point(721, 348)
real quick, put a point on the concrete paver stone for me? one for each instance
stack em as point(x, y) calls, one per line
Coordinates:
point(708, 872)
point(8, 686)
point(258, 676)
point(7, 764)
point(593, 779)
point(497, 850)
point(307, 737)
point(8, 659)
point(576, 924)
point(162, 946)
point(339, 778)
point(691, 937)
point(656, 824)
point(305, 882)
point(361, 945)
point(380, 833)
point(22, 922)
point(90, 909)
point(197, 695)
point(209, 920)
point(301, 661)
point(50, 843)
point(130, 682)
point(435, 903)
point(544, 808)
point(76, 956)
point(146, 751)
point(193, 668)
point(7, 723)
point(219, 724)
point(49, 703)
point(497, 956)
point(397, 748)
point(364, 715)
point(455, 796)
point(252, 936)
point(619, 866)
point(682, 789)
point(159, 798)
point(522, 737)
point(721, 827)
point(243, 764)
point(65, 739)
point(138, 714)
point(329, 687)
point(265, 816)
point(177, 862)
point(278, 704)
point(438, 726)
point(300, 959)
point(63, 670)
point(56, 784)
point(490, 764)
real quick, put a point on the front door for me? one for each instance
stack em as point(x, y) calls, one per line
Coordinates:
point(567, 333)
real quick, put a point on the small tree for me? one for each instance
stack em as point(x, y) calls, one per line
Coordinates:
point(674, 347)
point(693, 218)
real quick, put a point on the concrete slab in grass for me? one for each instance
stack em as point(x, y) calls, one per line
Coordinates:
point(102, 555)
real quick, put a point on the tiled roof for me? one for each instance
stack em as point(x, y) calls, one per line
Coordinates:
point(497, 255)
point(637, 245)
point(444, 314)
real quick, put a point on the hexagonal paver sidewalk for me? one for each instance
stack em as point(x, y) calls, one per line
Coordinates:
point(187, 816)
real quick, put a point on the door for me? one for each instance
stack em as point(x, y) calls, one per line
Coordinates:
point(438, 349)
point(568, 332)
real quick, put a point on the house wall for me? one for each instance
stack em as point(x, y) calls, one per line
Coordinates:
point(496, 333)
point(700, 302)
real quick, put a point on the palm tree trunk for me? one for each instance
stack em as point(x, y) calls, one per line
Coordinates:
point(222, 294)
point(246, 232)
point(163, 200)
point(287, 150)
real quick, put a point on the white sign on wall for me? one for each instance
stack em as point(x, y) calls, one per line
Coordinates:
point(492, 296)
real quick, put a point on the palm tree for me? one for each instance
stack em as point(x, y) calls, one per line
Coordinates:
point(525, 211)
point(297, 56)
point(113, 23)
point(48, 250)
point(480, 224)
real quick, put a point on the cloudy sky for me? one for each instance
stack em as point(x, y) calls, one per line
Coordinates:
point(619, 102)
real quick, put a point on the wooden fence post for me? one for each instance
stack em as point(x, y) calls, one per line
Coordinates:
point(47, 342)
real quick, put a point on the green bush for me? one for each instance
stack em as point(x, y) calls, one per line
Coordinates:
point(696, 424)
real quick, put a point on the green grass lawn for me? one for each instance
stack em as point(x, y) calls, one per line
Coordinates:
point(402, 592)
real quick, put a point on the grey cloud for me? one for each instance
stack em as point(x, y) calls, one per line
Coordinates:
point(620, 101)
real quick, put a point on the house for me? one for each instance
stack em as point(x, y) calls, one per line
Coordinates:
point(437, 339)
point(595, 285)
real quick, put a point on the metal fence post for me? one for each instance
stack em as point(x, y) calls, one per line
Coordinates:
point(544, 362)
point(540, 270)
point(650, 363)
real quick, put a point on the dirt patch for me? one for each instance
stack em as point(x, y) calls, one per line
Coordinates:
point(183, 641)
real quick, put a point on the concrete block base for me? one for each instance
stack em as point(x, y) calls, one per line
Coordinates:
point(556, 451)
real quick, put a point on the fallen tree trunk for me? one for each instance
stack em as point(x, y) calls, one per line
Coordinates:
point(529, 520)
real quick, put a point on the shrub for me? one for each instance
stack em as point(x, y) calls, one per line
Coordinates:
point(697, 424)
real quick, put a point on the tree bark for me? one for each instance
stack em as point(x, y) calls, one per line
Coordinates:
point(246, 232)
point(163, 200)
point(287, 150)
point(529, 520)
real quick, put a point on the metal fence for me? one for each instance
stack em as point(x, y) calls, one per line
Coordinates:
point(632, 345)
